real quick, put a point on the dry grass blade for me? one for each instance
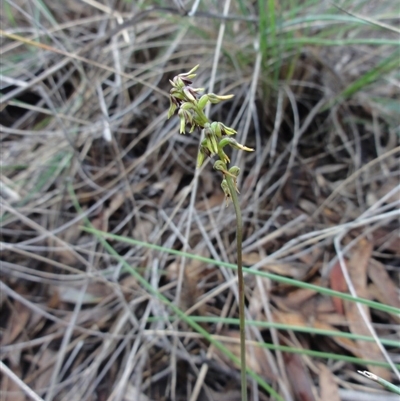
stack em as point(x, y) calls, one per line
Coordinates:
point(20, 384)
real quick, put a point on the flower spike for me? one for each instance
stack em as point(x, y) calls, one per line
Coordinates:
point(185, 103)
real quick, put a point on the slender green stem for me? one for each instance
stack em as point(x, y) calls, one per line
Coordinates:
point(239, 236)
point(275, 277)
point(384, 383)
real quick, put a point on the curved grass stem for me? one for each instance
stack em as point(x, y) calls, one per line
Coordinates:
point(384, 383)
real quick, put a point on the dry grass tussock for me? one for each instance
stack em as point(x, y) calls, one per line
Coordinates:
point(85, 144)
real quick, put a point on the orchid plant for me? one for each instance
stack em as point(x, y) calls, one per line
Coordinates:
point(186, 103)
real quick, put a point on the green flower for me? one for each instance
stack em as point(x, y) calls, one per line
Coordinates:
point(234, 144)
point(225, 188)
point(184, 103)
point(215, 99)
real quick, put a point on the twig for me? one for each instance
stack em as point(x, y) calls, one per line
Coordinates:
point(25, 388)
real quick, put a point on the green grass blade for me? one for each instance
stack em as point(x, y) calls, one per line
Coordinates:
point(187, 319)
point(282, 326)
point(271, 276)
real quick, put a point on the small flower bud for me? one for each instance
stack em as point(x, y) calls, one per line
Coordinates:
point(215, 99)
point(190, 95)
point(234, 144)
point(226, 130)
point(224, 156)
point(235, 171)
point(212, 141)
point(177, 94)
point(190, 74)
point(203, 153)
point(225, 188)
point(202, 102)
point(232, 172)
point(179, 84)
point(206, 146)
point(172, 107)
point(216, 129)
point(196, 90)
point(182, 126)
point(187, 106)
point(186, 118)
point(220, 166)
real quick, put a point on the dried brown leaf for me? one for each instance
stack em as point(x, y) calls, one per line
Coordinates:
point(386, 240)
point(116, 202)
point(255, 301)
point(380, 277)
point(332, 318)
point(70, 236)
point(293, 319)
point(283, 269)
point(41, 377)
point(357, 267)
point(216, 199)
point(299, 378)
point(144, 229)
point(194, 272)
point(337, 283)
point(296, 299)
point(325, 305)
point(9, 390)
point(344, 342)
point(171, 185)
point(327, 385)
point(255, 356)
point(129, 285)
point(190, 292)
point(17, 323)
point(382, 190)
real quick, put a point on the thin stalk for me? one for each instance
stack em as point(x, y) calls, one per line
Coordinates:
point(275, 277)
point(384, 383)
point(242, 328)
